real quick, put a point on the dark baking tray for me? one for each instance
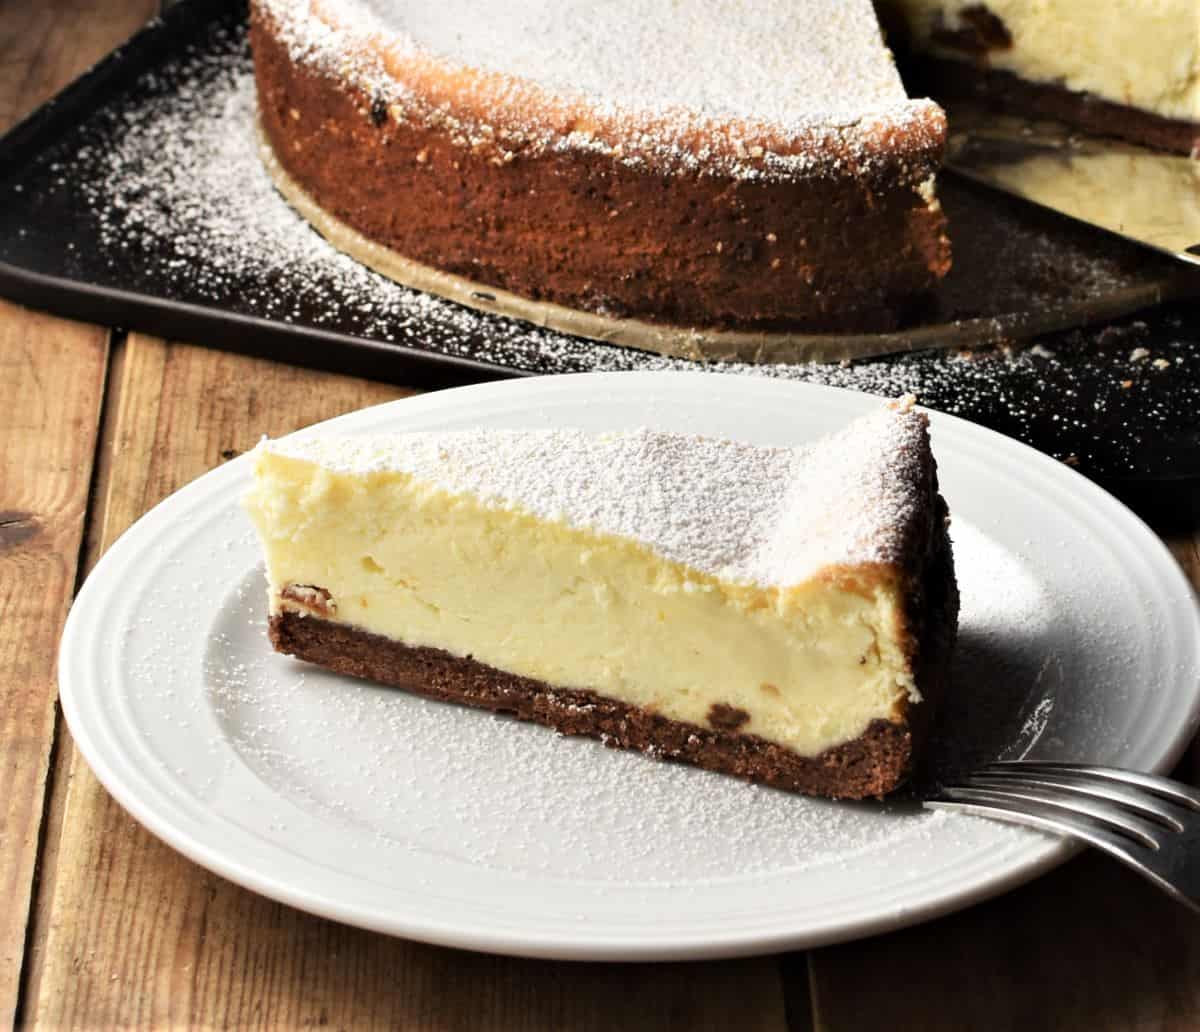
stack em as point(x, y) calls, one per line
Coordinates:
point(1121, 402)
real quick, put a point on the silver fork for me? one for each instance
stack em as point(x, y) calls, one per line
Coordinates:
point(1148, 822)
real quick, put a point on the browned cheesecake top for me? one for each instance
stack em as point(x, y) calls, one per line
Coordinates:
point(749, 88)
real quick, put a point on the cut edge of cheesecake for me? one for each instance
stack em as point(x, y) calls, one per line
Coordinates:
point(1060, 63)
point(819, 679)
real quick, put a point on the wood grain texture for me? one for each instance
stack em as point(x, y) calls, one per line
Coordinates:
point(135, 935)
point(44, 45)
point(47, 436)
point(1088, 947)
point(51, 383)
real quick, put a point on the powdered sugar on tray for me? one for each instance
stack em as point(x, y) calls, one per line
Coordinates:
point(770, 516)
point(184, 209)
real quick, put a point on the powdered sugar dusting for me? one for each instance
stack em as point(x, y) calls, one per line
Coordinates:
point(771, 516)
point(739, 58)
point(179, 207)
point(744, 87)
point(377, 793)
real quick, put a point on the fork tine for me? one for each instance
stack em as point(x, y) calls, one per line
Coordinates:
point(999, 804)
point(1137, 800)
point(1057, 801)
point(1165, 788)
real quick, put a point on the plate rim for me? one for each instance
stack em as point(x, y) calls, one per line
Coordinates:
point(569, 945)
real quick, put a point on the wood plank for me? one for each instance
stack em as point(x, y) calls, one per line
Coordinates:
point(47, 436)
point(137, 935)
point(1090, 946)
point(44, 45)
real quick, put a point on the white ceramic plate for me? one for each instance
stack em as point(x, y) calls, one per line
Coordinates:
point(1079, 640)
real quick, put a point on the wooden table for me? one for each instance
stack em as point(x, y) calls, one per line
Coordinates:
point(102, 925)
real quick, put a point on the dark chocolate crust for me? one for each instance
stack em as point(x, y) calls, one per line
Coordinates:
point(853, 249)
point(932, 616)
point(979, 32)
point(948, 80)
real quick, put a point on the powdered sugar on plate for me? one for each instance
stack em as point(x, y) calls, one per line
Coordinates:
point(435, 821)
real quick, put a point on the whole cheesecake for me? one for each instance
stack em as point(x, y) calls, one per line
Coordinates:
point(781, 614)
point(752, 166)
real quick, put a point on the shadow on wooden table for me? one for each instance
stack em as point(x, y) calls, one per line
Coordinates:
point(1089, 946)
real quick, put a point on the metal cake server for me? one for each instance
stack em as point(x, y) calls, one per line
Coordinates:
point(1148, 822)
point(1150, 197)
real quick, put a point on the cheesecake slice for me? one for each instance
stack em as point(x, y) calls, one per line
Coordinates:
point(1129, 68)
point(782, 614)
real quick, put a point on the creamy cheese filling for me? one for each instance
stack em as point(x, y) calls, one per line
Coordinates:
point(1142, 53)
point(810, 665)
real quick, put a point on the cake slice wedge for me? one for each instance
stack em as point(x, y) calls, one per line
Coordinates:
point(782, 614)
